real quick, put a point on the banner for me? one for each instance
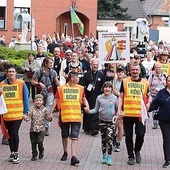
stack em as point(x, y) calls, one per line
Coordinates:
point(3, 108)
point(114, 47)
point(75, 20)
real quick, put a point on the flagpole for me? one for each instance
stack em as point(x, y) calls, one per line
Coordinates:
point(72, 27)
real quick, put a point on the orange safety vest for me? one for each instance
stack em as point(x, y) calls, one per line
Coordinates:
point(132, 96)
point(70, 99)
point(13, 95)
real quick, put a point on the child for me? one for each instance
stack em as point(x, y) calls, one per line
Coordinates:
point(106, 105)
point(38, 113)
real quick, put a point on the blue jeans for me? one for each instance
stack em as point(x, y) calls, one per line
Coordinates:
point(75, 129)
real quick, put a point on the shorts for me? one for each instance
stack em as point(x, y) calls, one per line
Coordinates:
point(75, 129)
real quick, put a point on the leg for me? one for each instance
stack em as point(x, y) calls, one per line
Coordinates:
point(75, 130)
point(64, 133)
point(40, 140)
point(32, 91)
point(33, 139)
point(128, 127)
point(110, 131)
point(48, 102)
point(103, 130)
point(165, 129)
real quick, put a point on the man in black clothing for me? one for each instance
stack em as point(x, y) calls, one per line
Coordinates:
point(93, 81)
point(52, 45)
point(81, 54)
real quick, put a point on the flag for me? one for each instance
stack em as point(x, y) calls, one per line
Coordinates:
point(75, 20)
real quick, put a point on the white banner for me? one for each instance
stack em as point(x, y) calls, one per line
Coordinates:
point(3, 108)
point(114, 47)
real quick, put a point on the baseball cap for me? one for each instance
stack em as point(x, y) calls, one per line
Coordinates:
point(120, 68)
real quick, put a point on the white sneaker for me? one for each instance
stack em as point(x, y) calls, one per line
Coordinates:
point(16, 158)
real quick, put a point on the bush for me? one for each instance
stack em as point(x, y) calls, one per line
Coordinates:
point(15, 57)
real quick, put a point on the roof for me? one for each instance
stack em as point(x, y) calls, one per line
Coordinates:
point(135, 9)
point(157, 7)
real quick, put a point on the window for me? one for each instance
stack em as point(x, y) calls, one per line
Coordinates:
point(166, 23)
point(2, 17)
point(18, 17)
point(128, 29)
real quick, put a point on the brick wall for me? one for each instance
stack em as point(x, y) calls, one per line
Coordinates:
point(51, 15)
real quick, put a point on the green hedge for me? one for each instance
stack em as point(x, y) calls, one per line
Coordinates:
point(15, 57)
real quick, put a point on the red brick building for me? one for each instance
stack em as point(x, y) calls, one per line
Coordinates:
point(50, 16)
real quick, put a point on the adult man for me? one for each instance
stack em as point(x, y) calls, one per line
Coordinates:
point(81, 55)
point(44, 78)
point(57, 64)
point(64, 64)
point(130, 99)
point(40, 55)
point(92, 81)
point(57, 59)
point(69, 98)
point(52, 45)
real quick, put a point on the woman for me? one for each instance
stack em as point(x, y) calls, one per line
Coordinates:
point(16, 98)
point(162, 104)
point(30, 66)
point(157, 81)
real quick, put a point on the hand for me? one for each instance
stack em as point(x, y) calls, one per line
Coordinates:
point(27, 69)
point(49, 118)
point(148, 106)
point(25, 117)
point(116, 92)
point(86, 109)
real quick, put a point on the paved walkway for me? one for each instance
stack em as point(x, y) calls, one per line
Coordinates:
point(89, 152)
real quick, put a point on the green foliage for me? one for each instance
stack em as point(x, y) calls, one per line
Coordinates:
point(112, 9)
point(15, 57)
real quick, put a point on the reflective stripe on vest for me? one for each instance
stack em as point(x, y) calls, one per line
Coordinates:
point(13, 95)
point(70, 103)
point(132, 96)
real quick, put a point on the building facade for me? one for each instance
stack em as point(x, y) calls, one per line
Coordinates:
point(50, 16)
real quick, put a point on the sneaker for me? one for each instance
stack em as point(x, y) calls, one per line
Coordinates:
point(74, 160)
point(41, 154)
point(5, 141)
point(109, 160)
point(166, 164)
point(104, 159)
point(138, 157)
point(155, 126)
point(11, 158)
point(94, 132)
point(117, 147)
point(130, 161)
point(34, 158)
point(64, 157)
point(16, 158)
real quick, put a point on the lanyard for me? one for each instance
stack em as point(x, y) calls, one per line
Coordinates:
point(94, 81)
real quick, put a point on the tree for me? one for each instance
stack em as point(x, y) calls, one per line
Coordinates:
point(112, 9)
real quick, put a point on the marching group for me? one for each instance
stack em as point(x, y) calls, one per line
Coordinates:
point(105, 98)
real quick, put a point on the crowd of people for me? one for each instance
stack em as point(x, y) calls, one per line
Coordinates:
point(85, 91)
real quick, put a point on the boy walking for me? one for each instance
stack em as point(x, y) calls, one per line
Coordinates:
point(38, 114)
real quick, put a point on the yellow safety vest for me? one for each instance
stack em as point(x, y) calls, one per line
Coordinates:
point(132, 96)
point(70, 99)
point(13, 95)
